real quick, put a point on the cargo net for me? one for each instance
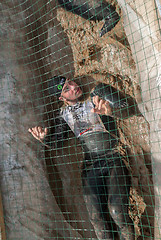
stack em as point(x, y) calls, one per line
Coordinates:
point(80, 162)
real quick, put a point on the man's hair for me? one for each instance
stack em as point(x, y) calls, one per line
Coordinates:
point(55, 85)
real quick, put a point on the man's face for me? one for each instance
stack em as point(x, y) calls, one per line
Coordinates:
point(71, 91)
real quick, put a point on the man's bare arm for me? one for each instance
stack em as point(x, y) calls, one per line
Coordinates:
point(101, 106)
point(122, 105)
point(39, 133)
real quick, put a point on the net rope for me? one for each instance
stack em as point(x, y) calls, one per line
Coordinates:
point(41, 181)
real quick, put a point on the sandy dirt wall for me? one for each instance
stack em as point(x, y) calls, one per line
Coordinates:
point(142, 26)
point(109, 59)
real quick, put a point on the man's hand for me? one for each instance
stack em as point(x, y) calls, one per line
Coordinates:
point(101, 106)
point(38, 132)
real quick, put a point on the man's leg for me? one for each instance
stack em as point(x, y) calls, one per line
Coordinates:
point(118, 200)
point(95, 196)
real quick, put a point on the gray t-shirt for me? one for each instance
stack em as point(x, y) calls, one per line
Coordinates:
point(81, 120)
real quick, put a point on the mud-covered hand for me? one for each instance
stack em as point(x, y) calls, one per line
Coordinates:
point(38, 132)
point(101, 106)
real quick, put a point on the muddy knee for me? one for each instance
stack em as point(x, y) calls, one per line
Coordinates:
point(115, 213)
point(123, 222)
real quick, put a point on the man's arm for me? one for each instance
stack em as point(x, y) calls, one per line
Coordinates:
point(39, 133)
point(110, 101)
point(54, 136)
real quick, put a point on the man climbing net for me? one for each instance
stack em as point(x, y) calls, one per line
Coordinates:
point(105, 179)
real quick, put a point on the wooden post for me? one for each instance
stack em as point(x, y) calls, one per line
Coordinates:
point(2, 225)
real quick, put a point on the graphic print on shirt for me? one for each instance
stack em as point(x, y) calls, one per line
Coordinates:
point(81, 120)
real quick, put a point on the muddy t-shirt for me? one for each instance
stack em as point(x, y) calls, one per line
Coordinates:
point(81, 120)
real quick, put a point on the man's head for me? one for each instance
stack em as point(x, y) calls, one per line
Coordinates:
point(65, 89)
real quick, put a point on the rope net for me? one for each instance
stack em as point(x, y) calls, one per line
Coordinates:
point(99, 184)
